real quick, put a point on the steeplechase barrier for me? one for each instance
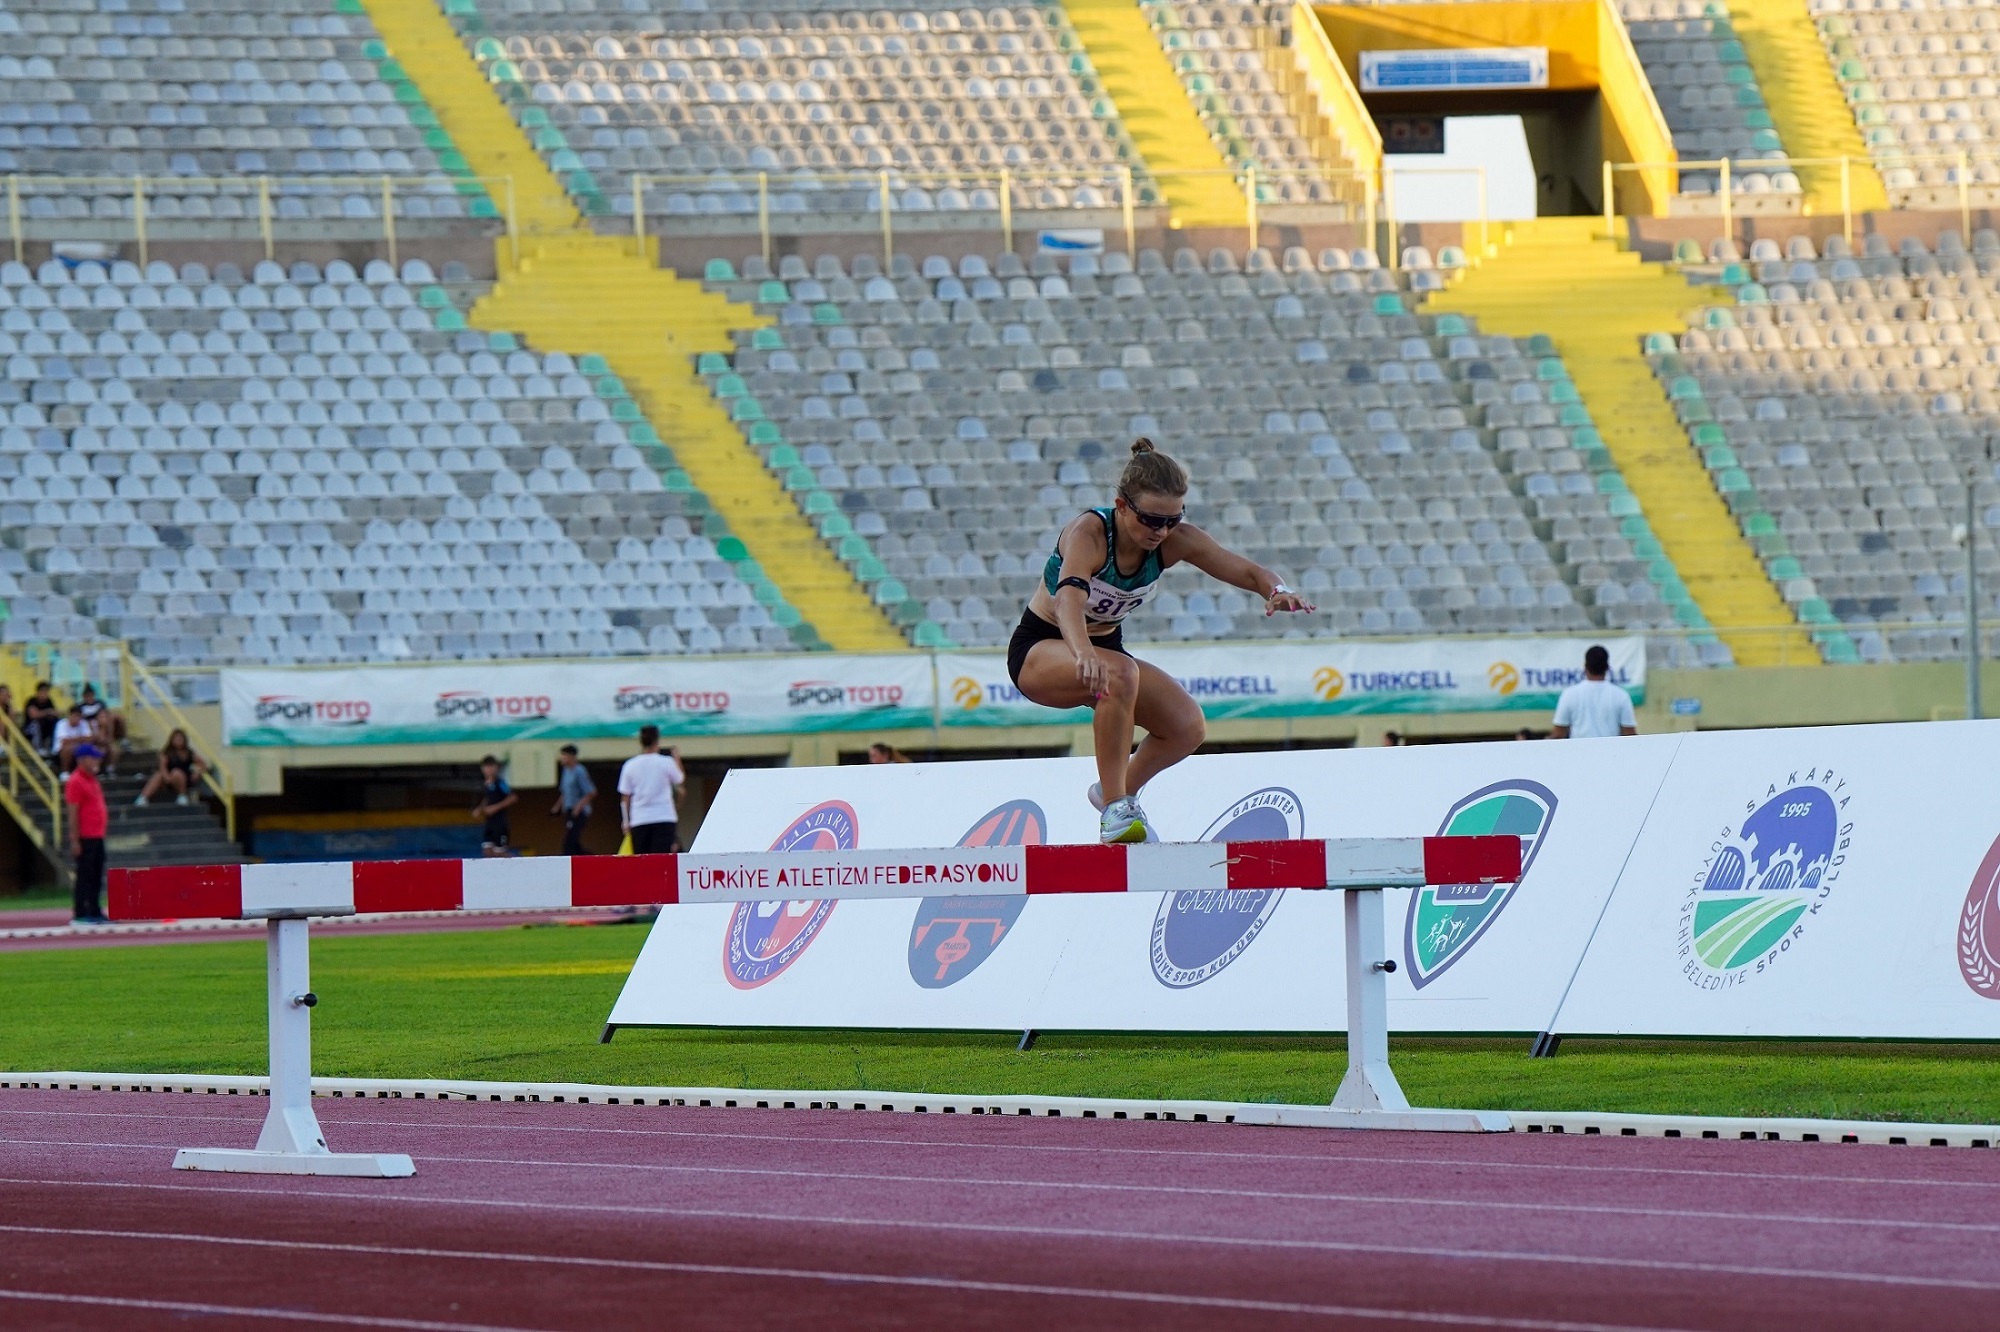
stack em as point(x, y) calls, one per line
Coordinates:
point(288, 896)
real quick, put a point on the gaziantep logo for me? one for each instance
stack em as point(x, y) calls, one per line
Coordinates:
point(1196, 935)
point(1766, 879)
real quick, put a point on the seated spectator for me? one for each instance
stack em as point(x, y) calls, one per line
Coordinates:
point(179, 771)
point(72, 731)
point(107, 726)
point(39, 716)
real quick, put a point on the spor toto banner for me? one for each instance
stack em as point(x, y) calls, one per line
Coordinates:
point(733, 696)
point(572, 700)
point(1304, 679)
point(1839, 881)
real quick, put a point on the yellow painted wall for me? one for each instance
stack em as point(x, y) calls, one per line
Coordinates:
point(1338, 98)
point(1588, 49)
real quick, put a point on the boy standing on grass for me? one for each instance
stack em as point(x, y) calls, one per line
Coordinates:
point(495, 799)
point(88, 820)
point(574, 793)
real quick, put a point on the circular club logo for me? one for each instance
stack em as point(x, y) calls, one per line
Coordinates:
point(766, 937)
point(1979, 928)
point(952, 936)
point(1198, 934)
point(1765, 879)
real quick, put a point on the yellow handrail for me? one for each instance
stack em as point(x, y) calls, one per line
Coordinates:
point(29, 770)
point(260, 188)
point(141, 694)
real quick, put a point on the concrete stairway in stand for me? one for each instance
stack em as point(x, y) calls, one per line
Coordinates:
point(583, 293)
point(1561, 277)
point(1154, 107)
point(1807, 107)
point(565, 288)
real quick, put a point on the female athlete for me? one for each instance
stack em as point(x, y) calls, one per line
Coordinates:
point(1069, 651)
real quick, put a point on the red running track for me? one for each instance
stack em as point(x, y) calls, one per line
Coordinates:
point(592, 1218)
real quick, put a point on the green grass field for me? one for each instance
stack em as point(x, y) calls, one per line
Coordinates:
point(528, 1004)
point(35, 899)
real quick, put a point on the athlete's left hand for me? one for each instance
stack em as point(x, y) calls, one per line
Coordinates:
point(1286, 601)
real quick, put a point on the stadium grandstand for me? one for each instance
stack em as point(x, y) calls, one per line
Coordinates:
point(373, 335)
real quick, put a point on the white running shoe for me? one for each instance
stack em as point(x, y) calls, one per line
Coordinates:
point(1122, 821)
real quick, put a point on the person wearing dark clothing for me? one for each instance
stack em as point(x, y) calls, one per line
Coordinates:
point(88, 820)
point(39, 716)
point(574, 794)
point(495, 799)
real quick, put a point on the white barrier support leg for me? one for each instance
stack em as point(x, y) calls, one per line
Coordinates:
point(1369, 1096)
point(1369, 1084)
point(291, 1142)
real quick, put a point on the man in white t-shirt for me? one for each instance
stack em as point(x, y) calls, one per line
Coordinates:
point(73, 731)
point(1594, 706)
point(647, 785)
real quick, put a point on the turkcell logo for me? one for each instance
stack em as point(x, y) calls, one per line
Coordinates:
point(765, 938)
point(1197, 935)
point(1764, 880)
point(952, 936)
point(1446, 920)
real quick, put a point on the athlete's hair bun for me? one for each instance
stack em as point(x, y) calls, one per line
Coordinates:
point(1142, 445)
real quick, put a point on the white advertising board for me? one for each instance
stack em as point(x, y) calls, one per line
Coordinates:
point(1832, 881)
point(1487, 958)
point(1321, 678)
point(523, 700)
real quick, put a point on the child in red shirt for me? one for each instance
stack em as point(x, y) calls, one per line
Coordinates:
point(88, 820)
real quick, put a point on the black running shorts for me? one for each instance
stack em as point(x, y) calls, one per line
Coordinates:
point(1034, 629)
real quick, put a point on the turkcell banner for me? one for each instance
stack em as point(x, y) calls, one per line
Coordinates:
point(1322, 678)
point(1473, 958)
point(1815, 882)
point(501, 701)
point(574, 700)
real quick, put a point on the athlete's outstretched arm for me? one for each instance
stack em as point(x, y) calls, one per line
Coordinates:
point(1083, 554)
point(1226, 566)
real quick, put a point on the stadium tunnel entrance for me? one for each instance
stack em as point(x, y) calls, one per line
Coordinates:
point(1565, 67)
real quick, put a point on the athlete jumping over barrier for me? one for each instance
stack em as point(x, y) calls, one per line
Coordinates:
point(1069, 649)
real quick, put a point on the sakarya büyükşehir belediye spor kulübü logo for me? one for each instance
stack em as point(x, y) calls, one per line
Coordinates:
point(1764, 879)
point(1197, 934)
point(764, 938)
point(951, 936)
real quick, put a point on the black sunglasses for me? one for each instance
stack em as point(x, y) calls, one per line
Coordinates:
point(1158, 522)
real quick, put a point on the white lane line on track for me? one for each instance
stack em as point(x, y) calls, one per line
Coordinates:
point(205, 1310)
point(1090, 1186)
point(329, 1114)
point(968, 1284)
point(1049, 1232)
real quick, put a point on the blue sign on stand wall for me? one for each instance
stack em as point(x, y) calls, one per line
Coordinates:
point(1442, 70)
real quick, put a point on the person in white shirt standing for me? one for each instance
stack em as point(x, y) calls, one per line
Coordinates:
point(647, 787)
point(1594, 706)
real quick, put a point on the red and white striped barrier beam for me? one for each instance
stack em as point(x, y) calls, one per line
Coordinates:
point(553, 882)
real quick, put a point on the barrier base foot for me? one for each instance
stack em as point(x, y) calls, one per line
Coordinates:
point(358, 1165)
point(1408, 1121)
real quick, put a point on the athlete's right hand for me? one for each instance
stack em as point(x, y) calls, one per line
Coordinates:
point(1090, 672)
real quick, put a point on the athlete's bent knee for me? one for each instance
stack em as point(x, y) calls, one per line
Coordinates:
point(1121, 677)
